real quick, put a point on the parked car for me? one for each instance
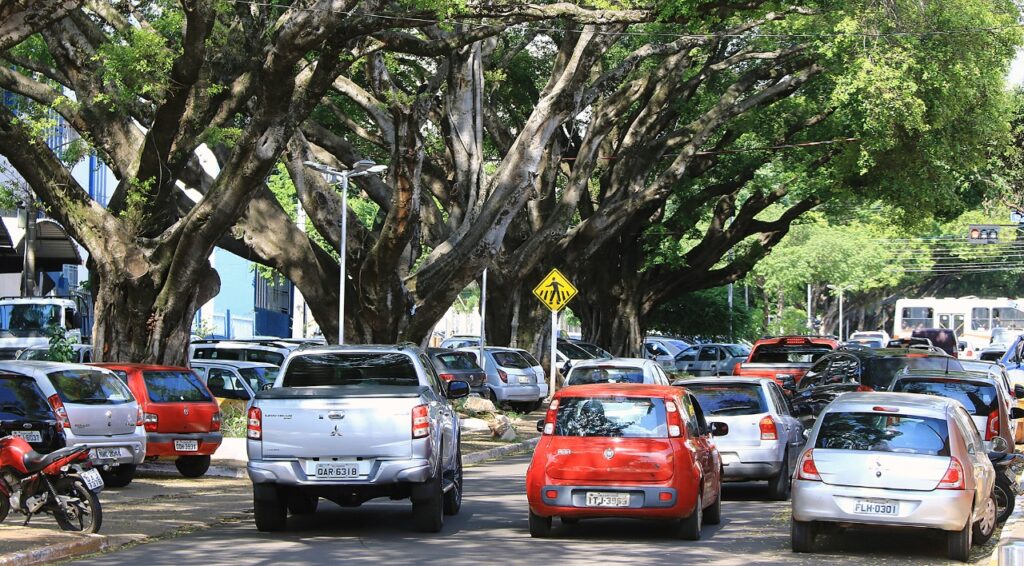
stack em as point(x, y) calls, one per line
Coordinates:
point(568, 354)
point(785, 359)
point(182, 419)
point(664, 349)
point(354, 423)
point(1014, 395)
point(94, 408)
point(895, 460)
point(913, 342)
point(871, 339)
point(82, 353)
point(762, 439)
point(456, 342)
point(859, 369)
point(267, 351)
point(992, 353)
point(511, 379)
point(452, 365)
point(617, 370)
point(542, 376)
point(234, 380)
point(592, 349)
point(630, 451)
point(25, 414)
point(942, 338)
point(710, 359)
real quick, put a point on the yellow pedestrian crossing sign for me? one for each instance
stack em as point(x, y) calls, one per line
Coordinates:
point(555, 291)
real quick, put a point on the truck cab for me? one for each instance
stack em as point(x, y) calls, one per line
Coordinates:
point(26, 322)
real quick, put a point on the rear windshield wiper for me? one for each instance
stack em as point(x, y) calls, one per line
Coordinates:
point(14, 409)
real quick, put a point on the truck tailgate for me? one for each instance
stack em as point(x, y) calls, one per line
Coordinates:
point(332, 427)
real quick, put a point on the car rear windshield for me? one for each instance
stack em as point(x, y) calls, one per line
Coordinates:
point(174, 387)
point(878, 372)
point(606, 374)
point(783, 354)
point(991, 356)
point(21, 398)
point(344, 369)
point(90, 387)
point(978, 398)
point(258, 377)
point(511, 360)
point(457, 361)
point(883, 432)
point(626, 417)
point(573, 352)
point(729, 400)
point(239, 354)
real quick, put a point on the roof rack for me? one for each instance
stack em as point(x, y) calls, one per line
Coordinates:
point(255, 341)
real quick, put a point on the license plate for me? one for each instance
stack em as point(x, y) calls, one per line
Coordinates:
point(106, 453)
point(604, 499)
point(28, 435)
point(186, 445)
point(876, 507)
point(525, 379)
point(331, 471)
point(92, 480)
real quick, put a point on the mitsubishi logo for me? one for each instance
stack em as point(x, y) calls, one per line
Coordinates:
point(335, 432)
point(608, 453)
point(109, 414)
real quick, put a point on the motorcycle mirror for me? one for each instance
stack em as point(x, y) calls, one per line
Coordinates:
point(1000, 445)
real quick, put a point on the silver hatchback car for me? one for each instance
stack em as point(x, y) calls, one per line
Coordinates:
point(895, 459)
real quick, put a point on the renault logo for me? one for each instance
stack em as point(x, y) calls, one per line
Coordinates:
point(26, 425)
point(608, 453)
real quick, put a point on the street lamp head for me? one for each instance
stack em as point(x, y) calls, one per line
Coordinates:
point(331, 172)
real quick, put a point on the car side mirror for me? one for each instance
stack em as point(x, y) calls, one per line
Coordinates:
point(1018, 391)
point(999, 444)
point(540, 425)
point(1016, 413)
point(457, 389)
point(719, 429)
point(807, 434)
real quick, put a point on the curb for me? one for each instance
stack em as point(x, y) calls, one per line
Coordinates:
point(498, 451)
point(1006, 536)
point(88, 545)
point(229, 469)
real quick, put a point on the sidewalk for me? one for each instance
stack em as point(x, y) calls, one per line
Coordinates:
point(1010, 548)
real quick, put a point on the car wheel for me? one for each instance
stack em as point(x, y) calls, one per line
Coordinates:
point(303, 504)
point(119, 476)
point(270, 511)
point(986, 523)
point(428, 513)
point(689, 528)
point(1005, 501)
point(5, 508)
point(192, 466)
point(453, 497)
point(958, 543)
point(540, 527)
point(779, 485)
point(713, 514)
point(801, 536)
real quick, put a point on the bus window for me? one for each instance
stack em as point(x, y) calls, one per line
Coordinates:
point(979, 318)
point(917, 317)
point(1008, 317)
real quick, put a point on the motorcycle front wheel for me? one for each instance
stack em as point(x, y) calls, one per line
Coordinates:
point(1005, 501)
point(5, 507)
point(78, 508)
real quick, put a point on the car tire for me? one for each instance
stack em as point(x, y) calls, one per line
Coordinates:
point(985, 526)
point(119, 476)
point(801, 535)
point(1005, 501)
point(303, 504)
point(540, 527)
point(453, 497)
point(5, 508)
point(958, 543)
point(270, 511)
point(428, 512)
point(192, 466)
point(780, 484)
point(713, 514)
point(690, 527)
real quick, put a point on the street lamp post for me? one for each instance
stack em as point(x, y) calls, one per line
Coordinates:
point(360, 168)
point(840, 289)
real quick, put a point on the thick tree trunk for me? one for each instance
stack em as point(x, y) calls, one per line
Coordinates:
point(610, 301)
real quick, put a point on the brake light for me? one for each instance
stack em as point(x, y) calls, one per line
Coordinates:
point(954, 478)
point(806, 470)
point(992, 425)
point(768, 430)
point(502, 375)
point(736, 368)
point(215, 422)
point(150, 421)
point(675, 421)
point(886, 409)
point(138, 417)
point(864, 388)
point(420, 421)
point(447, 376)
point(254, 429)
point(58, 408)
point(549, 418)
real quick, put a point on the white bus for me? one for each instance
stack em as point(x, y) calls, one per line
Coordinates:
point(972, 318)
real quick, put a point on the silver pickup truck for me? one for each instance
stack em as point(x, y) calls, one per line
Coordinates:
point(353, 423)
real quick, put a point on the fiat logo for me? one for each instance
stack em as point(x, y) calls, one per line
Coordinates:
point(608, 453)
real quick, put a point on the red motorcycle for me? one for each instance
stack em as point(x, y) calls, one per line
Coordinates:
point(62, 484)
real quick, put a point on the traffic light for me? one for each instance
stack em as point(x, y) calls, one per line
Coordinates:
point(983, 234)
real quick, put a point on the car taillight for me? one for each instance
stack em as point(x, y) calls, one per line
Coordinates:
point(736, 368)
point(58, 408)
point(447, 376)
point(864, 388)
point(675, 420)
point(150, 421)
point(503, 375)
point(992, 425)
point(549, 418)
point(138, 417)
point(420, 421)
point(254, 429)
point(768, 430)
point(806, 470)
point(954, 478)
point(215, 422)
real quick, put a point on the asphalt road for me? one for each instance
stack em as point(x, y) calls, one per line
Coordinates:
point(492, 529)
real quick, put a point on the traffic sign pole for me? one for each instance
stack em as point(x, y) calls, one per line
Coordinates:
point(554, 291)
point(554, 338)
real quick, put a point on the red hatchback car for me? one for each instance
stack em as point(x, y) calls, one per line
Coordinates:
point(181, 416)
point(623, 450)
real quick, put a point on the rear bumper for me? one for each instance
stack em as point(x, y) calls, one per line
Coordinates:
point(290, 472)
point(133, 449)
point(753, 462)
point(947, 510)
point(517, 393)
point(644, 501)
point(162, 444)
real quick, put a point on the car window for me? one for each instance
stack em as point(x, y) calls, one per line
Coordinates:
point(573, 351)
point(883, 432)
point(660, 375)
point(655, 349)
point(627, 417)
point(258, 377)
point(688, 355)
point(512, 360)
point(730, 400)
point(223, 383)
point(968, 430)
point(843, 369)
point(90, 387)
point(708, 354)
point(778, 399)
point(20, 397)
point(788, 354)
point(351, 370)
point(879, 372)
point(528, 357)
point(455, 360)
point(978, 398)
point(692, 426)
point(698, 413)
point(605, 374)
point(814, 375)
point(174, 387)
point(264, 356)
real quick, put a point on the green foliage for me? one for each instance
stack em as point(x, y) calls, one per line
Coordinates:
point(136, 64)
point(136, 201)
point(706, 314)
point(60, 347)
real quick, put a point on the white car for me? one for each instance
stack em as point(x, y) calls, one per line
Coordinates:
point(617, 370)
point(266, 351)
point(871, 339)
